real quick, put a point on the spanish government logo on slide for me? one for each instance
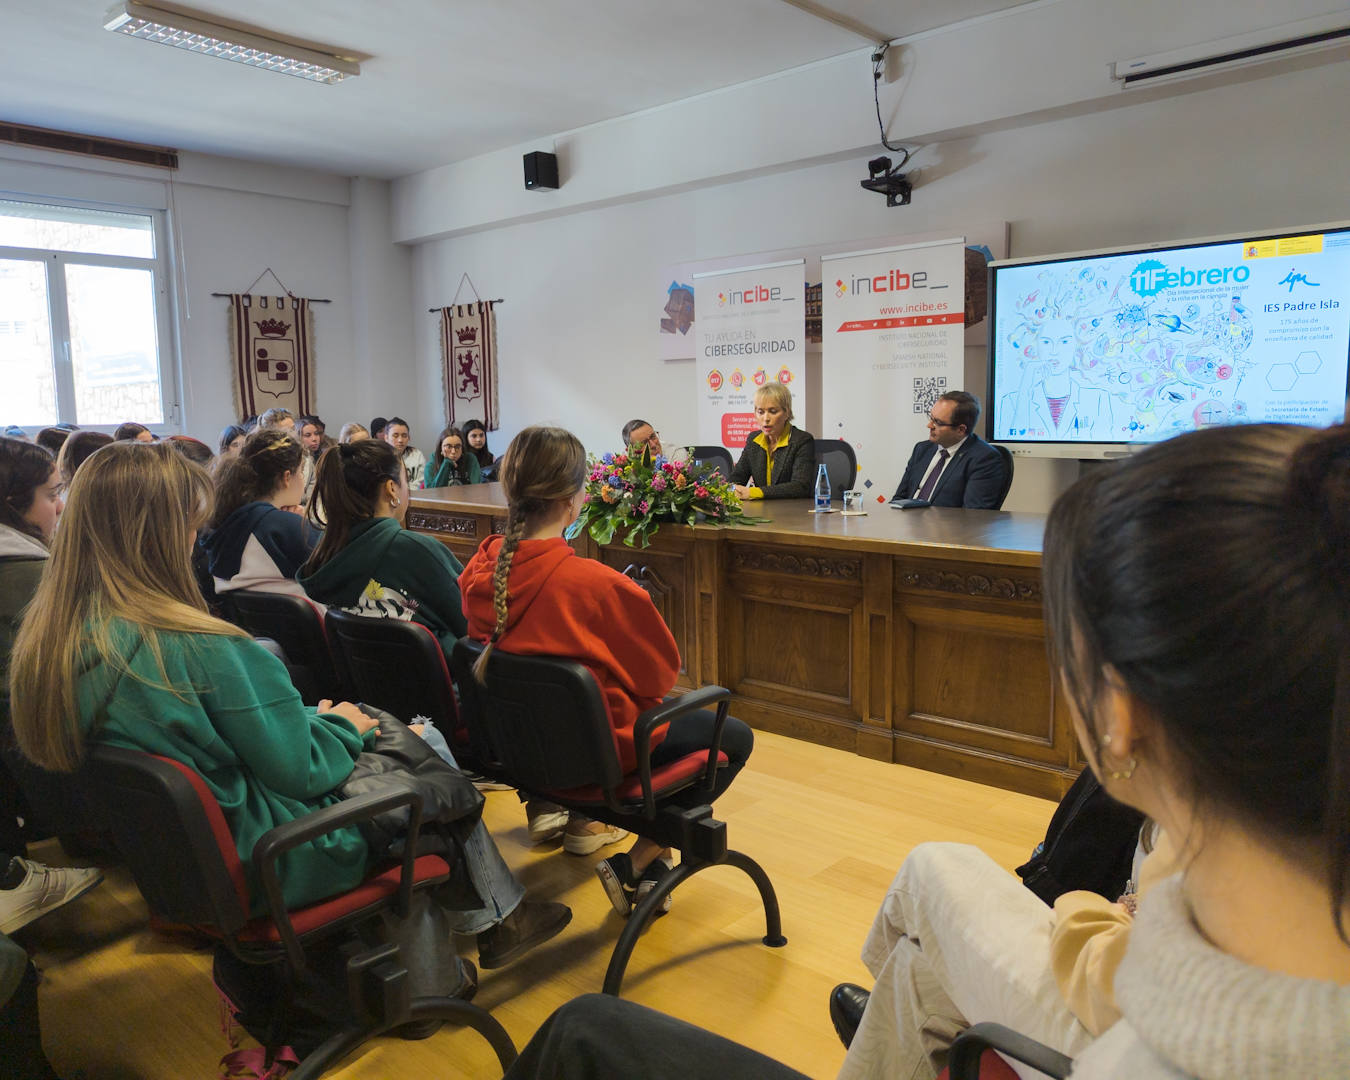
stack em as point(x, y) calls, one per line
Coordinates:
point(1151, 277)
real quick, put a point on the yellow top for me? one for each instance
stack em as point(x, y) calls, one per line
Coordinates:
point(762, 440)
point(1089, 939)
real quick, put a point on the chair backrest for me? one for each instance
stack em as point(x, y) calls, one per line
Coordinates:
point(174, 836)
point(719, 457)
point(396, 666)
point(1007, 457)
point(296, 624)
point(540, 719)
point(841, 464)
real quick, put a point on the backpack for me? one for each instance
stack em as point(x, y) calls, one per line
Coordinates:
point(1090, 844)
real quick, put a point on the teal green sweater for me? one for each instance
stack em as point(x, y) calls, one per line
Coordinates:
point(237, 721)
point(385, 571)
point(446, 475)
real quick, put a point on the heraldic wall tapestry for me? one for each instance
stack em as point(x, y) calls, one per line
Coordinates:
point(469, 369)
point(271, 347)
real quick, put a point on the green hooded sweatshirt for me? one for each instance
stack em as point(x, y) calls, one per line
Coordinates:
point(385, 571)
point(236, 719)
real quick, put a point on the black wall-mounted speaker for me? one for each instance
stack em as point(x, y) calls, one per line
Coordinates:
point(541, 171)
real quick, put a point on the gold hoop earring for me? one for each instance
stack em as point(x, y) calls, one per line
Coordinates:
point(1118, 774)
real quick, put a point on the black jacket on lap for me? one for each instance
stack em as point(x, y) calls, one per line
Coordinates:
point(794, 466)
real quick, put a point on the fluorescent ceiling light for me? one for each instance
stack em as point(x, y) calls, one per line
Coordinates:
point(199, 35)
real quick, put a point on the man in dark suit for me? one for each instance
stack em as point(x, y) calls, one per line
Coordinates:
point(954, 466)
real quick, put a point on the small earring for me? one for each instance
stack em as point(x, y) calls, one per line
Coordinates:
point(393, 503)
point(1119, 774)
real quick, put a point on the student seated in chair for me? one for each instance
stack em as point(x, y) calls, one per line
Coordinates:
point(367, 562)
point(527, 592)
point(118, 648)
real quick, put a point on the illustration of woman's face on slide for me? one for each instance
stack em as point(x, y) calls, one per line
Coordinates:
point(1055, 344)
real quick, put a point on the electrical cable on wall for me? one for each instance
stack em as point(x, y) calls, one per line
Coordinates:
point(878, 69)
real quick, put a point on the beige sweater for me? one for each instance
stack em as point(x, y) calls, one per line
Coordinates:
point(1089, 939)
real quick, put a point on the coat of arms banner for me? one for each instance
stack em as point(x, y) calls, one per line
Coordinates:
point(272, 349)
point(469, 355)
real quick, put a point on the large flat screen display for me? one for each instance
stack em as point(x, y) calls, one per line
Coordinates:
point(1091, 353)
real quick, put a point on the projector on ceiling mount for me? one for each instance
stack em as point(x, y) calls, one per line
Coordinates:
point(882, 177)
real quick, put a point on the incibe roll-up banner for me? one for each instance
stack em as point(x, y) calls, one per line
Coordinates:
point(751, 331)
point(894, 323)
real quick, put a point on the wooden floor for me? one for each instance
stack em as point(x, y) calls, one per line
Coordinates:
point(830, 828)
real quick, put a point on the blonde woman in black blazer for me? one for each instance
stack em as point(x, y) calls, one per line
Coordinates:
point(779, 461)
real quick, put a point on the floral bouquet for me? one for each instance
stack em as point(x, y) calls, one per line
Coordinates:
point(635, 491)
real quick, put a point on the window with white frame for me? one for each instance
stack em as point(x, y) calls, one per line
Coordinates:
point(84, 316)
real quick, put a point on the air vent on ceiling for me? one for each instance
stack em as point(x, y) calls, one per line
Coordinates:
point(45, 139)
point(1275, 43)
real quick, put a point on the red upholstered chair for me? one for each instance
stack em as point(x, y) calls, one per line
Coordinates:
point(296, 623)
point(541, 724)
point(973, 1055)
point(175, 838)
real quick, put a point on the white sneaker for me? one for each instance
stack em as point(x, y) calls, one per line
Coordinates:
point(546, 820)
point(43, 889)
point(584, 837)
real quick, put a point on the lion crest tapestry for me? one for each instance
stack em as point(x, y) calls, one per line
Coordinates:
point(469, 368)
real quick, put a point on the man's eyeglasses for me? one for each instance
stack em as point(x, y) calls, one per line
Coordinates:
point(939, 423)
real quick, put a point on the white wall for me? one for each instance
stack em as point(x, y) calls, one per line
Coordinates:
point(323, 235)
point(577, 334)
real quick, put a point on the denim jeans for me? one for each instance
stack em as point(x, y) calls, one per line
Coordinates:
point(486, 870)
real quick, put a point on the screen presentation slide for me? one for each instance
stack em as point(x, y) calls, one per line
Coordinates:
point(1144, 346)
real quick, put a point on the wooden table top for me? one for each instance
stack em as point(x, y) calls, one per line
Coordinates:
point(969, 535)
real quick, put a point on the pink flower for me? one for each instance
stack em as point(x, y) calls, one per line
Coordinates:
point(643, 506)
point(700, 492)
point(658, 482)
point(586, 498)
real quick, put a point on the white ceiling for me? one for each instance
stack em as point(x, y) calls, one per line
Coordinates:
point(447, 79)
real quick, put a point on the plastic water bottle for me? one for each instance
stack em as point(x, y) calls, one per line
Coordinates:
point(822, 488)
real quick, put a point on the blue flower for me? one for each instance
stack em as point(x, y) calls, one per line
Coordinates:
point(608, 459)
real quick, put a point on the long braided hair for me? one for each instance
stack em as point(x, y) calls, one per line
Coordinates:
point(543, 465)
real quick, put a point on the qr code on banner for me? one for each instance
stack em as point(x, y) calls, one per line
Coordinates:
point(927, 391)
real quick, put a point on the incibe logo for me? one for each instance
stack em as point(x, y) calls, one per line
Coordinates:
point(1151, 277)
point(753, 294)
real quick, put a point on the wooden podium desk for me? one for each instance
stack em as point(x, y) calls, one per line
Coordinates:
point(912, 636)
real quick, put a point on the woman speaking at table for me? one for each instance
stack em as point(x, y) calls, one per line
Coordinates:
point(779, 461)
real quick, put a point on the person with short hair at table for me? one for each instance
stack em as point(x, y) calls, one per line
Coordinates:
point(779, 461)
point(642, 433)
point(954, 466)
point(397, 434)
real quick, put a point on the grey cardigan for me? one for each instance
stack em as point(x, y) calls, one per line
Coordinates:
point(1190, 1010)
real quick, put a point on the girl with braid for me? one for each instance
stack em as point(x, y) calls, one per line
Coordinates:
point(527, 593)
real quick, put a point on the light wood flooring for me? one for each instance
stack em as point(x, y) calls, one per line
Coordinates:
point(830, 828)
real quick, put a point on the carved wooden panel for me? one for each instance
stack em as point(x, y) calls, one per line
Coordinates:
point(666, 572)
point(793, 647)
point(824, 564)
point(995, 583)
point(434, 521)
point(654, 585)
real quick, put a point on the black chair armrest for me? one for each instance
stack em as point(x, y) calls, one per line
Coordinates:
point(963, 1062)
point(274, 843)
point(649, 721)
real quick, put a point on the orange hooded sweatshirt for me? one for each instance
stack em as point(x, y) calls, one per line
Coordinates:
point(562, 605)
